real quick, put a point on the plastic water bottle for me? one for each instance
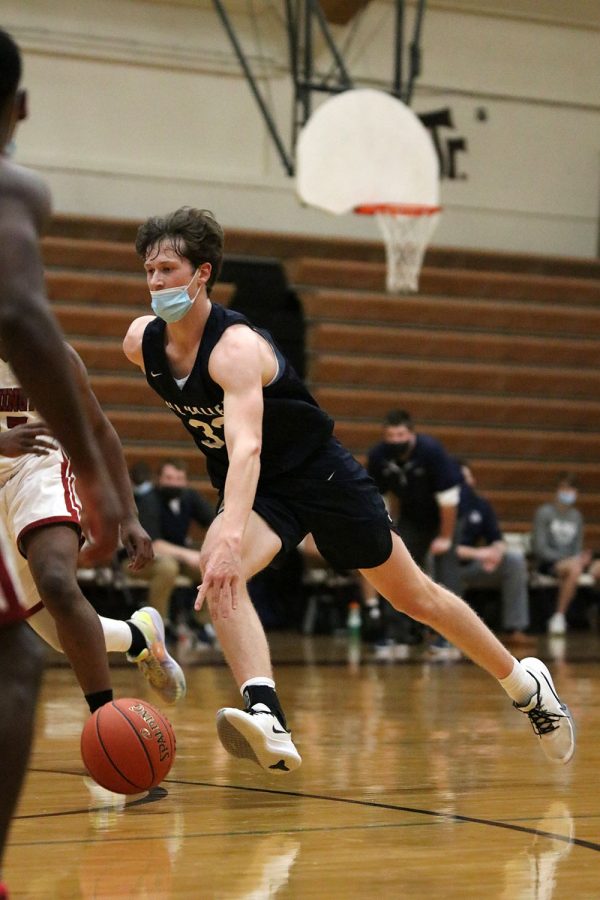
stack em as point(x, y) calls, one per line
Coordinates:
point(354, 621)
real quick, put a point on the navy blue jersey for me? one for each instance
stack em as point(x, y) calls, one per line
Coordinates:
point(169, 518)
point(428, 471)
point(294, 425)
point(479, 525)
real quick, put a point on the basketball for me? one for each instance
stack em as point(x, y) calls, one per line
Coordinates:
point(128, 746)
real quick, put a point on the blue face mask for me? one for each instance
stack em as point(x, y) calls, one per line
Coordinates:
point(567, 497)
point(171, 304)
point(10, 148)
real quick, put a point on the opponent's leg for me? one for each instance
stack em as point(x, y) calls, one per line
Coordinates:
point(21, 660)
point(141, 638)
point(528, 683)
point(52, 552)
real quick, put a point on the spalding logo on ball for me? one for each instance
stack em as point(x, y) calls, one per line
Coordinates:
point(128, 746)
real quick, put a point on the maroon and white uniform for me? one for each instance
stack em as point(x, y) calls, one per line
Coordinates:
point(12, 602)
point(34, 490)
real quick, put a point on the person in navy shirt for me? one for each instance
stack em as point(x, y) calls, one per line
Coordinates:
point(486, 561)
point(422, 481)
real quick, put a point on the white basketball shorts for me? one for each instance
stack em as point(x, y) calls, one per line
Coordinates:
point(12, 600)
point(41, 492)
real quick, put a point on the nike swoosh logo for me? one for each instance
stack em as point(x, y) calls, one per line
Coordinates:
point(155, 374)
point(278, 730)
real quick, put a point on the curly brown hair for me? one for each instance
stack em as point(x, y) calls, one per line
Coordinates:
point(194, 234)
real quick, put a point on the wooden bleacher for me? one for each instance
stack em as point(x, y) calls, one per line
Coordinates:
point(496, 355)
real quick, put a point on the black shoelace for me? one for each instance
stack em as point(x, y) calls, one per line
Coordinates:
point(542, 721)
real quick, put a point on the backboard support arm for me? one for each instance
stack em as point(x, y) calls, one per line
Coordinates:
point(302, 17)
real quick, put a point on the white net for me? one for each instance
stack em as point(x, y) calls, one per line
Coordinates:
point(406, 237)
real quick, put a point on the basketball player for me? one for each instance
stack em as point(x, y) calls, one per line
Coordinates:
point(39, 509)
point(34, 348)
point(281, 474)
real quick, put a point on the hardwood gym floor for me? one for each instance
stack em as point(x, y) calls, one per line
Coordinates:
point(418, 780)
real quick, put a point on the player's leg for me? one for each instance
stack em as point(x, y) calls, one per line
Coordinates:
point(20, 672)
point(142, 639)
point(408, 589)
point(52, 552)
point(241, 634)
point(260, 731)
point(528, 683)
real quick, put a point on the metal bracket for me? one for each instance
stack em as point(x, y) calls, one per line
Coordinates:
point(302, 18)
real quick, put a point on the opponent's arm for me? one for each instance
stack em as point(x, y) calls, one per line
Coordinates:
point(135, 539)
point(236, 364)
point(33, 345)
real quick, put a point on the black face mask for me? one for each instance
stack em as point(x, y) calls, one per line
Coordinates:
point(397, 450)
point(170, 493)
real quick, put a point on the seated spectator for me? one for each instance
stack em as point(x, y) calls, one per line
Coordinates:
point(557, 545)
point(486, 561)
point(167, 510)
point(420, 481)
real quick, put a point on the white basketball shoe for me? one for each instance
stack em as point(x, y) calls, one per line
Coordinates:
point(258, 735)
point(155, 662)
point(550, 719)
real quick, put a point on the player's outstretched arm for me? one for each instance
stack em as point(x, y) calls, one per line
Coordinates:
point(236, 365)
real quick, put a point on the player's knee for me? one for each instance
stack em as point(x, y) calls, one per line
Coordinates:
point(418, 599)
point(57, 585)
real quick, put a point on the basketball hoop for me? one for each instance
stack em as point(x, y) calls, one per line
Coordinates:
point(406, 229)
point(365, 151)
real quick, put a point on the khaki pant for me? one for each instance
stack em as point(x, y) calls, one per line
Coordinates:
point(161, 575)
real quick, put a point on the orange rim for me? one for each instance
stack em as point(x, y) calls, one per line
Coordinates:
point(396, 209)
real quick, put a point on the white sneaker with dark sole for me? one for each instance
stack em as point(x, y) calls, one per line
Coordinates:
point(550, 719)
point(155, 662)
point(258, 735)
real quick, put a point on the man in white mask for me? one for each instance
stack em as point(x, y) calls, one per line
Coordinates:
point(558, 547)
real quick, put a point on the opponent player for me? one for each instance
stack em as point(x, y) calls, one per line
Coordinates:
point(40, 511)
point(34, 348)
point(281, 474)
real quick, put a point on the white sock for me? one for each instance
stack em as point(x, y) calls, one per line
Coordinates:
point(261, 679)
point(117, 635)
point(520, 685)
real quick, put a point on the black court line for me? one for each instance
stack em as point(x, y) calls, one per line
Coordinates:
point(372, 804)
point(450, 817)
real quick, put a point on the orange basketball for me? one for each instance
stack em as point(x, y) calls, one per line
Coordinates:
point(128, 746)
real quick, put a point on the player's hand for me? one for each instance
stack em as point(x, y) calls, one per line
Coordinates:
point(26, 438)
point(101, 515)
point(222, 576)
point(137, 542)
